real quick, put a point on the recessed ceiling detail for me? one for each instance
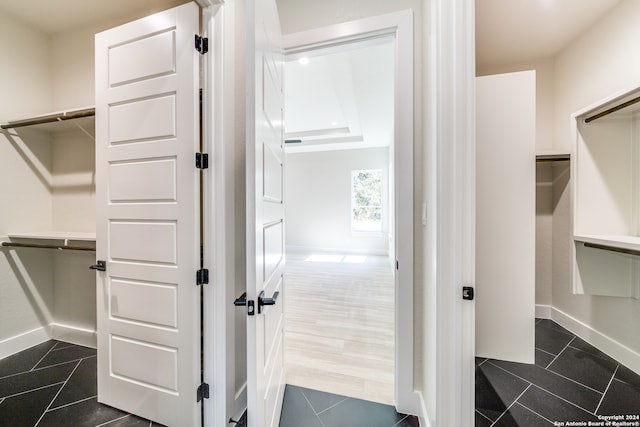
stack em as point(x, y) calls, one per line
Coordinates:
point(342, 99)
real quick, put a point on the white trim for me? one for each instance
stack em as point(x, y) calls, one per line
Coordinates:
point(604, 343)
point(17, 343)
point(451, 70)
point(74, 335)
point(324, 250)
point(401, 24)
point(423, 419)
point(55, 331)
point(220, 118)
point(543, 311)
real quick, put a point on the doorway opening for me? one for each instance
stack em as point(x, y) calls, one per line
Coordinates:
point(340, 219)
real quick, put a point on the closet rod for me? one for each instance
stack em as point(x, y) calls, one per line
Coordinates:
point(51, 119)
point(41, 246)
point(612, 248)
point(613, 109)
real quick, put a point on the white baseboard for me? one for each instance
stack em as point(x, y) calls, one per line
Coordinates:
point(24, 341)
point(74, 335)
point(423, 416)
point(316, 250)
point(620, 352)
point(543, 311)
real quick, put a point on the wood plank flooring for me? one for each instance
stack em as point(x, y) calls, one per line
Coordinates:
point(340, 325)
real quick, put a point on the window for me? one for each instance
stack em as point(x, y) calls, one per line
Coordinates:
point(366, 200)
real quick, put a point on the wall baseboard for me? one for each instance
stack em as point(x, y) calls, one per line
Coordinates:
point(543, 311)
point(616, 350)
point(74, 335)
point(423, 417)
point(24, 341)
point(312, 250)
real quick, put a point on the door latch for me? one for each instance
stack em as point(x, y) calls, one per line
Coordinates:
point(100, 266)
point(467, 293)
point(241, 301)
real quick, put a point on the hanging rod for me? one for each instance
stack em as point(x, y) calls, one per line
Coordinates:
point(59, 117)
point(612, 248)
point(42, 246)
point(613, 109)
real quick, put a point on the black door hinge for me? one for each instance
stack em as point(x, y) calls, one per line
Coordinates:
point(467, 293)
point(202, 161)
point(202, 392)
point(201, 44)
point(202, 277)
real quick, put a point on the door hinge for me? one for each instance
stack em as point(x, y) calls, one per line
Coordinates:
point(202, 392)
point(467, 293)
point(202, 161)
point(202, 277)
point(201, 44)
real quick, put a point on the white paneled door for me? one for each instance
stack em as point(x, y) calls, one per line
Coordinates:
point(505, 216)
point(148, 196)
point(265, 217)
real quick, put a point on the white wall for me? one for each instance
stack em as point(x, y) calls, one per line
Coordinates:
point(46, 182)
point(318, 210)
point(26, 299)
point(601, 62)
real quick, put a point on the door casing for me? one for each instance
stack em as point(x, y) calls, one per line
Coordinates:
point(400, 25)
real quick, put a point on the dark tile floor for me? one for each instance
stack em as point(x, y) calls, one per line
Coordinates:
point(570, 381)
point(304, 407)
point(54, 384)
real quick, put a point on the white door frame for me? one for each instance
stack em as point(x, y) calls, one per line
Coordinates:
point(450, 140)
point(222, 116)
point(399, 24)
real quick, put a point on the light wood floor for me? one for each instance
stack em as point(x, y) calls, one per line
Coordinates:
point(340, 325)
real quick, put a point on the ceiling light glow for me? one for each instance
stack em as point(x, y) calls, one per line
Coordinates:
point(303, 61)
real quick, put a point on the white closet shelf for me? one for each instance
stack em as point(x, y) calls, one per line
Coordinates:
point(552, 155)
point(56, 235)
point(619, 243)
point(51, 240)
point(52, 122)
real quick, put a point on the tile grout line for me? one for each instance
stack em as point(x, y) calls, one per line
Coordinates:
point(545, 351)
point(594, 355)
point(57, 394)
point(512, 403)
point(541, 388)
point(312, 408)
point(116, 419)
point(576, 382)
point(34, 389)
point(534, 412)
point(484, 416)
point(561, 351)
point(72, 403)
point(558, 374)
point(396, 424)
point(332, 406)
point(564, 400)
point(606, 389)
point(33, 368)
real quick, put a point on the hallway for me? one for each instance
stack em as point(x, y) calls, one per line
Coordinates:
point(340, 324)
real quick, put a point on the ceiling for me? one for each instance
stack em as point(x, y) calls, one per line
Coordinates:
point(347, 99)
point(340, 99)
point(516, 31)
point(55, 16)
